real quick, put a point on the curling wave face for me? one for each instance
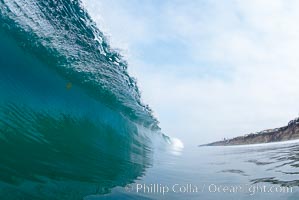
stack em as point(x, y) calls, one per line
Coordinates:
point(71, 119)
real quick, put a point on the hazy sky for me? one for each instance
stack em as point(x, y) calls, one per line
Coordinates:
point(209, 69)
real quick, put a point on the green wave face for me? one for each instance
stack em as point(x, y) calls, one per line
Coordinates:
point(71, 120)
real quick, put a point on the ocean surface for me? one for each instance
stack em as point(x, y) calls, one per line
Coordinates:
point(73, 125)
point(266, 171)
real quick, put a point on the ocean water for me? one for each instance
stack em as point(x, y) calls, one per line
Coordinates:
point(71, 119)
point(73, 125)
point(267, 171)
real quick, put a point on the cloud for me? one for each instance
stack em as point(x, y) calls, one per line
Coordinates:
point(210, 69)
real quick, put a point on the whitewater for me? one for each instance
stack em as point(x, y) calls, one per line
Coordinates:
point(73, 124)
point(71, 118)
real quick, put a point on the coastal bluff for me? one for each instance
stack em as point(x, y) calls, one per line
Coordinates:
point(289, 132)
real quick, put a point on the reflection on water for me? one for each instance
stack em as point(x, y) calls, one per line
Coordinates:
point(234, 171)
point(249, 172)
point(282, 161)
point(72, 125)
point(43, 157)
point(58, 156)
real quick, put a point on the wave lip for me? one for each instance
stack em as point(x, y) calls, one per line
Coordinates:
point(63, 36)
point(72, 122)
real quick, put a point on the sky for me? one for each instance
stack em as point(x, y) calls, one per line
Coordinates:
point(209, 69)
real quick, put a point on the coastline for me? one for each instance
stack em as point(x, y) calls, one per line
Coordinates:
point(285, 133)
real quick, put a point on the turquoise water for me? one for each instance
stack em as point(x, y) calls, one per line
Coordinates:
point(73, 126)
point(71, 119)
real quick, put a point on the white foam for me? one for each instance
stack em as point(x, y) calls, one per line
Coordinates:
point(177, 143)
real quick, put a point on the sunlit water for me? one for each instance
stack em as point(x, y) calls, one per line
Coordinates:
point(240, 172)
point(73, 126)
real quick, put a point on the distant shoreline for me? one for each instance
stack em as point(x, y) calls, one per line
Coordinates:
point(285, 133)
